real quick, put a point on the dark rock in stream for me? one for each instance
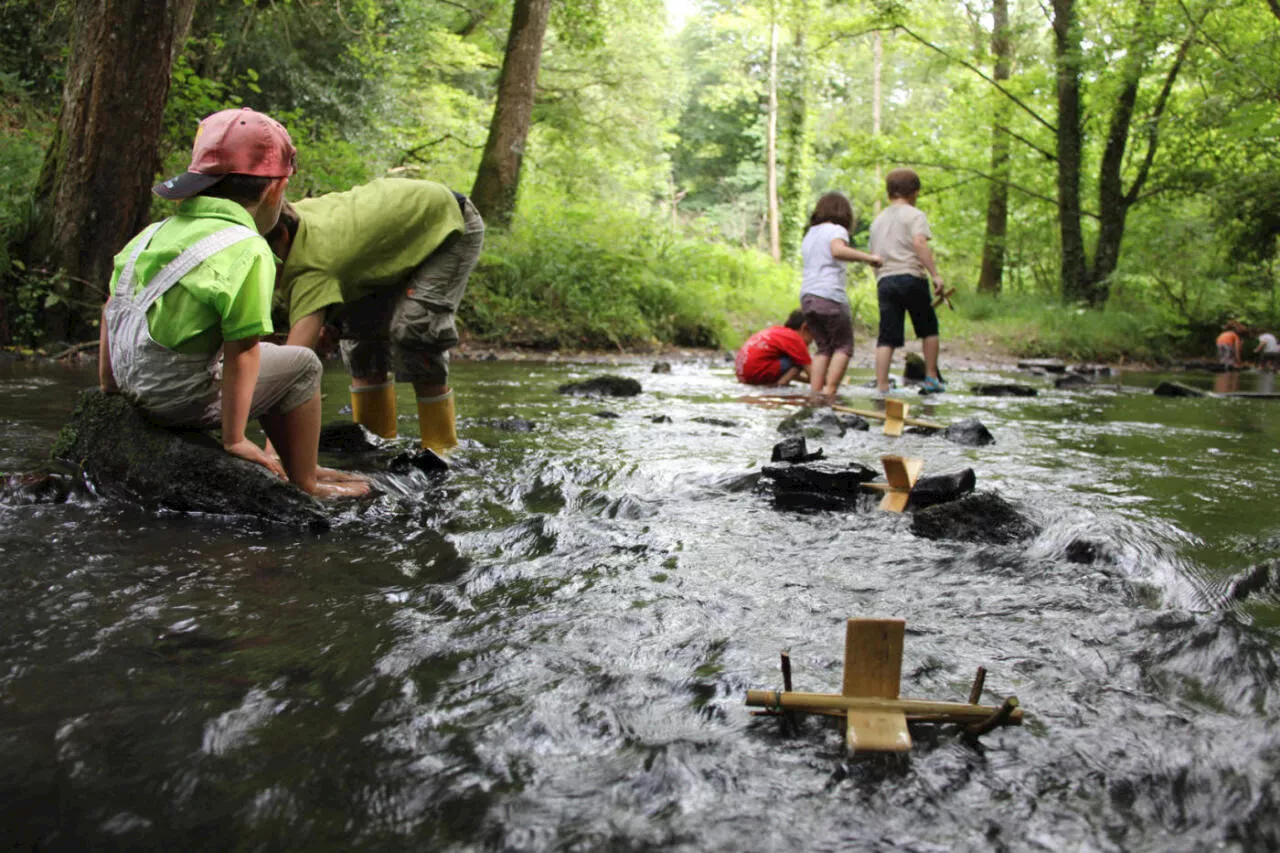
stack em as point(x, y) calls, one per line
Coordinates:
point(982, 517)
point(660, 419)
point(507, 424)
point(969, 432)
point(1048, 365)
point(126, 456)
point(1010, 389)
point(602, 386)
point(817, 422)
point(661, 367)
point(720, 422)
point(822, 478)
point(36, 487)
point(1177, 389)
point(942, 488)
point(793, 450)
point(347, 437)
point(607, 415)
point(1262, 579)
point(1072, 382)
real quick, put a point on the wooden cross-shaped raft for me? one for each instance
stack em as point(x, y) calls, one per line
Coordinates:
point(875, 716)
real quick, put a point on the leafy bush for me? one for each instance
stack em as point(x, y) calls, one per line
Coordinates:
point(23, 137)
point(582, 277)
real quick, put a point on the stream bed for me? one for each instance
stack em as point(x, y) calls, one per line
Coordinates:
point(549, 649)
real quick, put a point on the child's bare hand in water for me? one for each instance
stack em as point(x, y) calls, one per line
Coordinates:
point(251, 452)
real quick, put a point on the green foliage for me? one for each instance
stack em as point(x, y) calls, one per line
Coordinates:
point(23, 136)
point(581, 277)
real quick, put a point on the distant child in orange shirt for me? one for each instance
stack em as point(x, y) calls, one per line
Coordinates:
point(1229, 346)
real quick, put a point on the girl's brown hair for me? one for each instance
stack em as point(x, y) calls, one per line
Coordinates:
point(832, 207)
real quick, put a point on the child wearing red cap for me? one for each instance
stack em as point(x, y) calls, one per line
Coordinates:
point(191, 296)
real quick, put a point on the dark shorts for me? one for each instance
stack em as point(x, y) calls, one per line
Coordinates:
point(901, 295)
point(830, 323)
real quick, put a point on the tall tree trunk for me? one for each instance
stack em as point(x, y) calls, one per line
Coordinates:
point(771, 141)
point(498, 179)
point(991, 279)
point(796, 160)
point(1066, 41)
point(94, 190)
point(877, 62)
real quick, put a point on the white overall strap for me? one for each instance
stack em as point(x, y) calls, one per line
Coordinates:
point(124, 285)
point(192, 257)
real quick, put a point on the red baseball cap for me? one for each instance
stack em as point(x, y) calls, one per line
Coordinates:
point(244, 142)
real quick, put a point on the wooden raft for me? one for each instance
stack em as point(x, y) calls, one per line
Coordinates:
point(875, 716)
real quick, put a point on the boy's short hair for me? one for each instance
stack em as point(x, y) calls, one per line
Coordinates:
point(245, 189)
point(832, 207)
point(795, 320)
point(901, 183)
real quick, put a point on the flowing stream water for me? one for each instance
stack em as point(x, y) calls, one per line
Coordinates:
point(549, 649)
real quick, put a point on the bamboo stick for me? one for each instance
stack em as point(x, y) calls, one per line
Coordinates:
point(919, 710)
point(979, 681)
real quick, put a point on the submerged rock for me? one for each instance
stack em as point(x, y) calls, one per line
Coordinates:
point(1048, 365)
point(660, 419)
point(602, 386)
point(661, 367)
point(1177, 389)
point(793, 450)
point(36, 487)
point(421, 459)
point(981, 517)
point(607, 415)
point(817, 422)
point(720, 422)
point(1264, 578)
point(1096, 371)
point(969, 432)
point(126, 456)
point(347, 437)
point(1010, 389)
point(1072, 381)
point(508, 424)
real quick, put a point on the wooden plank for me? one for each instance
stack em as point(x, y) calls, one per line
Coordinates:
point(901, 472)
point(873, 657)
point(876, 731)
point(913, 709)
point(895, 412)
point(895, 500)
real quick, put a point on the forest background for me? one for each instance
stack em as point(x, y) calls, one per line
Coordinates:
point(1100, 175)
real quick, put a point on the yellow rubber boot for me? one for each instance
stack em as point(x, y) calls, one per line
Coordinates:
point(374, 407)
point(436, 422)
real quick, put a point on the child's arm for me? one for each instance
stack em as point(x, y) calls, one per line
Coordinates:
point(921, 244)
point(790, 374)
point(106, 377)
point(842, 251)
point(241, 361)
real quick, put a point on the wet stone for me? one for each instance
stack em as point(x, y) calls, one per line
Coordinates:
point(661, 367)
point(983, 517)
point(126, 457)
point(1096, 371)
point(1048, 365)
point(1087, 551)
point(720, 422)
point(602, 386)
point(1071, 382)
point(942, 488)
point(822, 422)
point(36, 487)
point(824, 478)
point(1010, 389)
point(607, 415)
point(660, 419)
point(1177, 389)
point(793, 450)
point(1262, 579)
point(969, 432)
point(913, 367)
point(347, 437)
point(508, 424)
point(423, 459)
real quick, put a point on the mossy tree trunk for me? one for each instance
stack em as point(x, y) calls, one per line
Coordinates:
point(93, 193)
point(498, 179)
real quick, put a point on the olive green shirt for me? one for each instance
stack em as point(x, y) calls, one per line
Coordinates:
point(356, 243)
point(228, 297)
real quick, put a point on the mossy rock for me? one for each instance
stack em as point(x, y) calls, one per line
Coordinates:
point(125, 456)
